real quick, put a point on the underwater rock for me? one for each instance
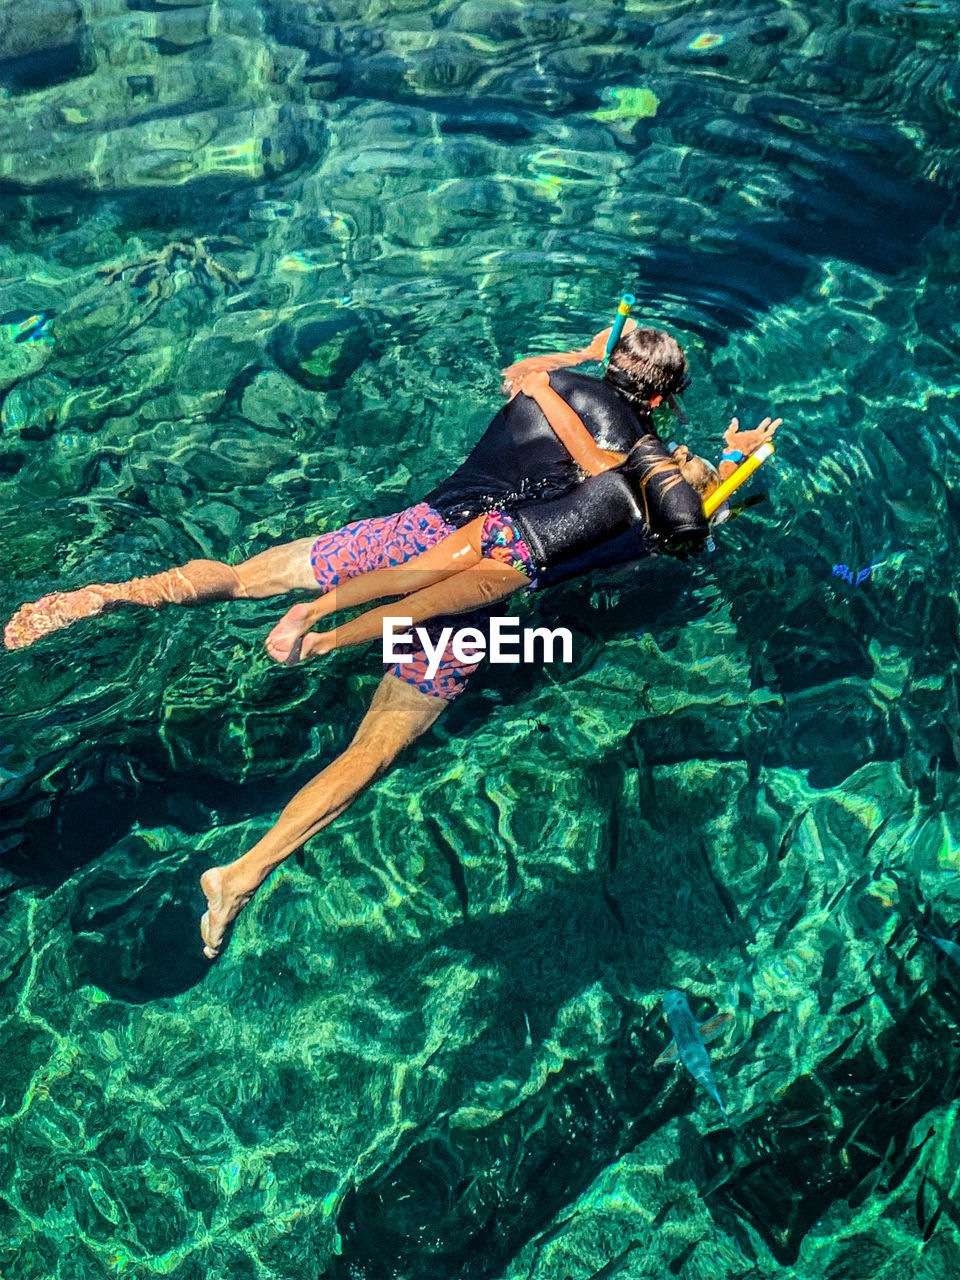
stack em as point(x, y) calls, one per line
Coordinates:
point(26, 333)
point(21, 360)
point(32, 408)
point(321, 352)
point(476, 1185)
point(273, 401)
point(628, 104)
point(212, 111)
point(209, 365)
point(100, 315)
point(38, 26)
point(42, 42)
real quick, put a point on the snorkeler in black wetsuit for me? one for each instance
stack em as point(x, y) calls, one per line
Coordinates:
point(615, 412)
point(518, 458)
point(634, 505)
point(519, 461)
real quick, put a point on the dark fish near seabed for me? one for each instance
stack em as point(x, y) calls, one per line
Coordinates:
point(690, 1046)
point(948, 948)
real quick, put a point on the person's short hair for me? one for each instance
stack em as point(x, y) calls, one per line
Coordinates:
point(645, 363)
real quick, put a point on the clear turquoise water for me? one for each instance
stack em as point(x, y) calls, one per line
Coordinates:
point(428, 1050)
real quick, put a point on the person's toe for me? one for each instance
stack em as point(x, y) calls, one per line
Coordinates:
point(211, 948)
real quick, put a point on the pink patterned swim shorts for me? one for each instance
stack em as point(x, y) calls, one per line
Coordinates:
point(376, 544)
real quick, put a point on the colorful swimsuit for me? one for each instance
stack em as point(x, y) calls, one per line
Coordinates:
point(380, 543)
point(500, 540)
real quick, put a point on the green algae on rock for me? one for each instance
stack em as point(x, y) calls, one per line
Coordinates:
point(629, 104)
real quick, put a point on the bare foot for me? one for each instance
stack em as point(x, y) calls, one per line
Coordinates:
point(48, 614)
point(223, 906)
point(285, 641)
point(316, 644)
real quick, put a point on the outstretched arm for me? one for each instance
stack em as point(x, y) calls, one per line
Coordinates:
point(546, 363)
point(568, 427)
point(478, 587)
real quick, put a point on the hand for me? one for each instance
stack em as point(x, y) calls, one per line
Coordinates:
point(514, 374)
point(531, 380)
point(598, 346)
point(748, 441)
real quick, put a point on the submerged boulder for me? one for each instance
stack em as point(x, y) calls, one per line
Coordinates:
point(320, 350)
point(42, 42)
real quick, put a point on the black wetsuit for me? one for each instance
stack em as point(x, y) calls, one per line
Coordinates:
point(572, 525)
point(638, 508)
point(520, 459)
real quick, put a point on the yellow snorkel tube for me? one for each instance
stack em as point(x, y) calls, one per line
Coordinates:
point(745, 470)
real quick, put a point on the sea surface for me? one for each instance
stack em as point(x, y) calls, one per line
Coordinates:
point(262, 263)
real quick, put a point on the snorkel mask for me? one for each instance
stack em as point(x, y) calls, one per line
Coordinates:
point(720, 516)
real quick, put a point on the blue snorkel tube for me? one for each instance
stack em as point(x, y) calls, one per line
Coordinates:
point(623, 310)
point(627, 302)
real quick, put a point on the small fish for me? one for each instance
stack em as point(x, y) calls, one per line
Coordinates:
point(951, 949)
point(690, 1046)
point(899, 1175)
point(709, 1030)
point(41, 332)
point(854, 579)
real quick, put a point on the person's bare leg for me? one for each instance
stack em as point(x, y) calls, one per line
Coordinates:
point(478, 587)
point(454, 553)
point(279, 569)
point(283, 568)
point(398, 714)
